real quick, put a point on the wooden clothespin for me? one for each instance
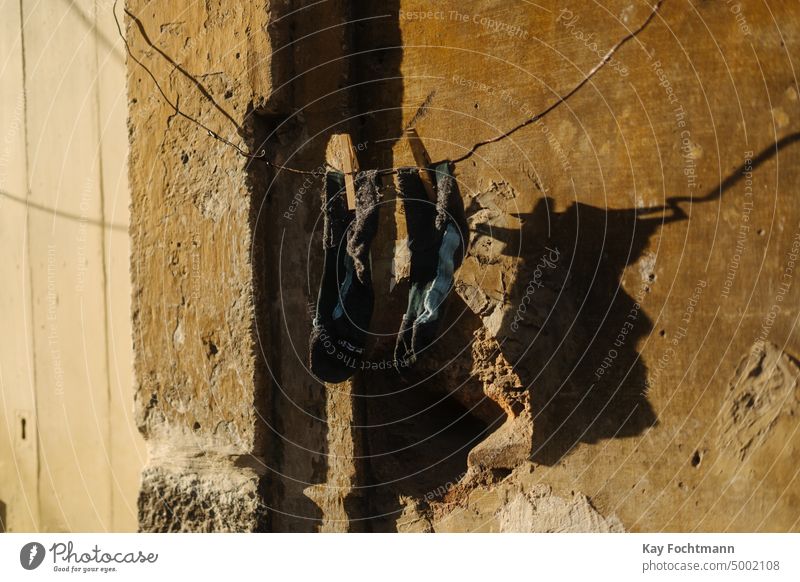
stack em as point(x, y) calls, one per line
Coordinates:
point(422, 160)
point(348, 162)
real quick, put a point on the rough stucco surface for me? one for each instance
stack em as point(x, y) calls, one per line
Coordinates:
point(192, 499)
point(642, 440)
point(764, 389)
point(539, 511)
point(612, 358)
point(193, 312)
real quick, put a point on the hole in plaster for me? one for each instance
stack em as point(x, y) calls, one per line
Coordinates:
point(500, 474)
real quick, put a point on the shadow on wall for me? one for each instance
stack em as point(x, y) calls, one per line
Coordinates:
point(573, 346)
point(378, 87)
point(308, 66)
point(571, 331)
point(336, 60)
point(564, 369)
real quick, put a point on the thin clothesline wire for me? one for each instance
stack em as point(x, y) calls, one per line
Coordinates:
point(261, 155)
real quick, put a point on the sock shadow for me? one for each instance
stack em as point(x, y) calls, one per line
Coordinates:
point(571, 329)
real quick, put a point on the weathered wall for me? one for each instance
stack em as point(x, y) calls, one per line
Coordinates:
point(636, 324)
point(193, 313)
point(70, 455)
point(609, 358)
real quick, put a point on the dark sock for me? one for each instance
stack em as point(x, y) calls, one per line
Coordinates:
point(437, 235)
point(345, 300)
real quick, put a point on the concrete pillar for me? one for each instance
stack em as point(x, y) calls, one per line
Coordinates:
point(199, 401)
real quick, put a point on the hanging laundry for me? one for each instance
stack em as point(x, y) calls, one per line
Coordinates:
point(437, 237)
point(345, 300)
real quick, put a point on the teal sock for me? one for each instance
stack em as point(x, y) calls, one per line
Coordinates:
point(437, 239)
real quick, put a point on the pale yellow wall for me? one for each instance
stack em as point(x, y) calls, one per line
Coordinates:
point(65, 362)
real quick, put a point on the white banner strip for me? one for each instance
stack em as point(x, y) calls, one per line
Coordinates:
point(404, 558)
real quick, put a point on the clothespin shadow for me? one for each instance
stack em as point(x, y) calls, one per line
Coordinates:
point(422, 160)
